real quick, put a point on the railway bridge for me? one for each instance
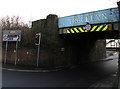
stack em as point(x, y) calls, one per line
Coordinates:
point(77, 38)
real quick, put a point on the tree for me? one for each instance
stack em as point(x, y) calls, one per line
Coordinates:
point(15, 23)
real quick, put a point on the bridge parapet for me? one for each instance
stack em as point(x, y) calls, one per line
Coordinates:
point(102, 16)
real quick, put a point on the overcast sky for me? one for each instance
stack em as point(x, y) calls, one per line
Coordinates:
point(30, 10)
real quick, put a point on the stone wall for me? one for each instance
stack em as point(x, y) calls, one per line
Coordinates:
point(51, 44)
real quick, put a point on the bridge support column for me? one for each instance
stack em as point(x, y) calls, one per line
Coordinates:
point(98, 50)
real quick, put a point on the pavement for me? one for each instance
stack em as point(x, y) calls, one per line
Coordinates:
point(108, 82)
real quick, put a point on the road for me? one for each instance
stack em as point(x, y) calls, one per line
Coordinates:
point(82, 76)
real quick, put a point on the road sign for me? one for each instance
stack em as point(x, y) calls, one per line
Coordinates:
point(88, 27)
point(12, 35)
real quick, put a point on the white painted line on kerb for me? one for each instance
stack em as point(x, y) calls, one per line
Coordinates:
point(30, 70)
point(25, 70)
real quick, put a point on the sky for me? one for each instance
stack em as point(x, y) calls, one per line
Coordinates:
point(31, 10)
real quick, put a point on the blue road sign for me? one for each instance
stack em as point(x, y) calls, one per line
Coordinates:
point(12, 35)
point(101, 16)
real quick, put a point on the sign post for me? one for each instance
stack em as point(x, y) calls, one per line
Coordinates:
point(6, 52)
point(16, 52)
point(11, 36)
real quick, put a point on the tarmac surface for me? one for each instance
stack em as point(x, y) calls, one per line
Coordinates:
point(106, 83)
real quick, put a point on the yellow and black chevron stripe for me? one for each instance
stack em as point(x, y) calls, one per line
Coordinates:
point(93, 29)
